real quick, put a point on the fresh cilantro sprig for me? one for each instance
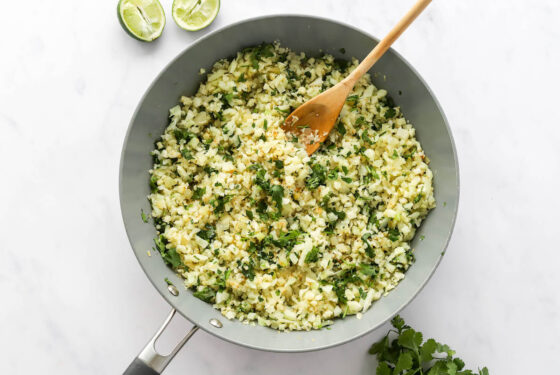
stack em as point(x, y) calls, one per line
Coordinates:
point(403, 351)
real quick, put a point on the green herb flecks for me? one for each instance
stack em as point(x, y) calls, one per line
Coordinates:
point(153, 183)
point(208, 233)
point(170, 256)
point(220, 204)
point(369, 249)
point(248, 270)
point(340, 128)
point(312, 255)
point(183, 135)
point(393, 234)
point(370, 270)
point(317, 177)
point(277, 193)
point(186, 153)
point(264, 50)
point(198, 193)
point(207, 294)
point(352, 100)
point(143, 216)
point(390, 113)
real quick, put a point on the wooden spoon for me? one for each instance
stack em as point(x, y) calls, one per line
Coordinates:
point(312, 121)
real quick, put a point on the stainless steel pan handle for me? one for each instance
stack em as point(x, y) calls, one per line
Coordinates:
point(149, 361)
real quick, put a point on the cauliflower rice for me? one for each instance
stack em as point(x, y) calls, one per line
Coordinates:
point(264, 232)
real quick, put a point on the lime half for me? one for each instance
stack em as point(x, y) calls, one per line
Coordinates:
point(142, 19)
point(194, 15)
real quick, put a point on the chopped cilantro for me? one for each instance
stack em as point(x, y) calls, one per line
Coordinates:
point(370, 270)
point(393, 234)
point(333, 174)
point(208, 233)
point(210, 170)
point(277, 192)
point(143, 216)
point(390, 113)
point(340, 128)
point(199, 193)
point(312, 255)
point(352, 100)
point(169, 256)
point(286, 111)
point(317, 177)
point(183, 134)
point(153, 183)
point(248, 270)
point(221, 203)
point(369, 250)
point(206, 294)
point(186, 153)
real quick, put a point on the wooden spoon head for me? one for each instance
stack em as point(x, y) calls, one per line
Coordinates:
point(312, 121)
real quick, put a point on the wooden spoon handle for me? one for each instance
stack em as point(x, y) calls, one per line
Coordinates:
point(386, 42)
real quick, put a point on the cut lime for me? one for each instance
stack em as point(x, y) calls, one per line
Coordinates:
point(194, 15)
point(142, 19)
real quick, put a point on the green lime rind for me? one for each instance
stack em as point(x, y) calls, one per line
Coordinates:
point(194, 15)
point(143, 20)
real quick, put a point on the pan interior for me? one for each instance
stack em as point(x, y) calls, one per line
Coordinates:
point(312, 36)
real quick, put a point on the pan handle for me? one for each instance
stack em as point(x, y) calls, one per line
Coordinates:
point(149, 361)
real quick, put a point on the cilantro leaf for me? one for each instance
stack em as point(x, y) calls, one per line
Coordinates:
point(410, 339)
point(248, 270)
point(186, 153)
point(393, 234)
point(340, 128)
point(198, 193)
point(312, 255)
point(208, 233)
point(383, 369)
point(277, 192)
point(369, 250)
point(403, 363)
point(378, 347)
point(206, 294)
point(427, 350)
point(369, 270)
point(143, 216)
point(172, 258)
point(317, 177)
point(398, 323)
point(390, 113)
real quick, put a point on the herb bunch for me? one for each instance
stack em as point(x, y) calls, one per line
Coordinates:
point(403, 351)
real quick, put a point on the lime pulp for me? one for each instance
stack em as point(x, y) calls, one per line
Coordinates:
point(142, 19)
point(194, 15)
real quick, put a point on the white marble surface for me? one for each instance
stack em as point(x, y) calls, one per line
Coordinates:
point(75, 301)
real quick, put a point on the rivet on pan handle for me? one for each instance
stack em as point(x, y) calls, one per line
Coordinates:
point(149, 361)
